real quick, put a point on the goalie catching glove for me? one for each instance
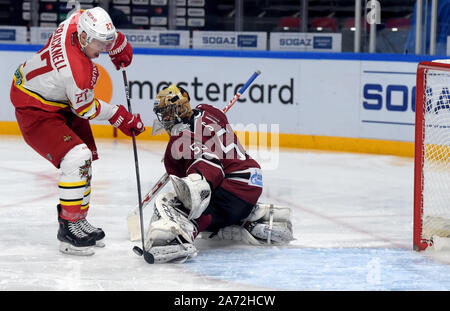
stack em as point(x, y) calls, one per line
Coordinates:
point(170, 236)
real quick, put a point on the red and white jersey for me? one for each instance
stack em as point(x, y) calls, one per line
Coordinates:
point(61, 76)
point(206, 144)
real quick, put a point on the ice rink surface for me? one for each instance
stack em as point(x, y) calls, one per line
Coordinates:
point(352, 220)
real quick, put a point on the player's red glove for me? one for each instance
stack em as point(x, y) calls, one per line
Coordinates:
point(121, 52)
point(126, 122)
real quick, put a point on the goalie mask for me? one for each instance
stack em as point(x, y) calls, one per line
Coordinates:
point(172, 106)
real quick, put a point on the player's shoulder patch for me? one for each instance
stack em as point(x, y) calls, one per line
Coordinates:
point(213, 112)
point(205, 107)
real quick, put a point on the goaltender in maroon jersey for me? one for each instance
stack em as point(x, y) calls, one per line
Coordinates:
point(216, 185)
point(203, 142)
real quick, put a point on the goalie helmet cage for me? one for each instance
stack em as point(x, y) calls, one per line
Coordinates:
point(432, 153)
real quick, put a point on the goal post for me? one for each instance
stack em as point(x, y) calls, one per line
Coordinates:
point(432, 154)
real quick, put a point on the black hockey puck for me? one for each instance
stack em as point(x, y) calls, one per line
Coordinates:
point(149, 258)
point(138, 251)
point(147, 255)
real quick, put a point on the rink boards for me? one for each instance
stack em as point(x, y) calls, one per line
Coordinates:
point(331, 101)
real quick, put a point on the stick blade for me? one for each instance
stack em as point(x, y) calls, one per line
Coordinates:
point(134, 230)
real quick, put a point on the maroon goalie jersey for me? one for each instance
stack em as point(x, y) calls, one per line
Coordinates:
point(206, 144)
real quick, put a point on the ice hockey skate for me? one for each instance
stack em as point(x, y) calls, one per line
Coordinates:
point(73, 240)
point(97, 233)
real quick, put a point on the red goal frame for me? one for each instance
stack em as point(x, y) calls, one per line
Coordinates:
point(419, 243)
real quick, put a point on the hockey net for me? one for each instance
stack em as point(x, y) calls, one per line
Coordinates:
point(432, 155)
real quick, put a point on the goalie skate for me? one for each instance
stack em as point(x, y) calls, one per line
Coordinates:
point(264, 211)
point(256, 234)
point(277, 233)
point(267, 224)
point(270, 223)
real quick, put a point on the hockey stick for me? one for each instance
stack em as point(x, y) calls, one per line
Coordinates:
point(241, 91)
point(147, 255)
point(132, 219)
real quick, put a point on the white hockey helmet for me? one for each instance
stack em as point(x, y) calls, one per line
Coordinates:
point(99, 28)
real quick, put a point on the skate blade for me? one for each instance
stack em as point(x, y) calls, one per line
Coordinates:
point(69, 249)
point(100, 244)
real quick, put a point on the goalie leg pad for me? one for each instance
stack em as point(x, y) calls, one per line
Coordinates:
point(168, 207)
point(173, 253)
point(170, 234)
point(162, 232)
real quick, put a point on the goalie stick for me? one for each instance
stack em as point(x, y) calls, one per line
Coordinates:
point(133, 216)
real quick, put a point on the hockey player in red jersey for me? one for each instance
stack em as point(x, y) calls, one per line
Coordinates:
point(53, 96)
point(217, 184)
